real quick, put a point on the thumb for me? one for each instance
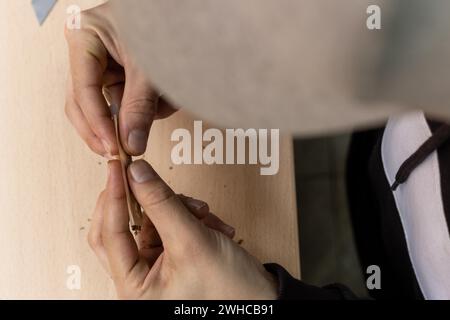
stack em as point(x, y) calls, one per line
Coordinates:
point(137, 111)
point(173, 221)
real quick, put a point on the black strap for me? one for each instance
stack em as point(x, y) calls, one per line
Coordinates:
point(440, 136)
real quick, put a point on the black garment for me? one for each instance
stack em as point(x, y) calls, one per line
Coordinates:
point(377, 226)
point(378, 229)
point(290, 288)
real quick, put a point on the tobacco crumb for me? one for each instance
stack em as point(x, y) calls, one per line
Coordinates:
point(81, 228)
point(241, 241)
point(99, 163)
point(89, 220)
point(170, 168)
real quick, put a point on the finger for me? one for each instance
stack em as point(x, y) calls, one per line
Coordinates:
point(214, 222)
point(114, 82)
point(78, 120)
point(137, 111)
point(95, 233)
point(149, 242)
point(121, 248)
point(148, 237)
point(175, 224)
point(164, 109)
point(114, 93)
point(88, 61)
point(201, 210)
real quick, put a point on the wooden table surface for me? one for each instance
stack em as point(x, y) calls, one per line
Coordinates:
point(49, 180)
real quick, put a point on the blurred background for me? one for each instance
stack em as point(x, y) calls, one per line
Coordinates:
point(328, 252)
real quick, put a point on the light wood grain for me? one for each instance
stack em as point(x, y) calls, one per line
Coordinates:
point(49, 180)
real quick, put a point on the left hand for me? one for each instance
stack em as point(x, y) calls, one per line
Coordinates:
point(100, 62)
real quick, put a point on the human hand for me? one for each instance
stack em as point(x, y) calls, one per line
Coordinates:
point(99, 62)
point(185, 252)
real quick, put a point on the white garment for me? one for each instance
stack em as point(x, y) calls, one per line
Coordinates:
point(419, 203)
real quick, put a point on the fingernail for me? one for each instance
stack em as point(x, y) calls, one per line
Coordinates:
point(196, 204)
point(141, 171)
point(137, 141)
point(229, 230)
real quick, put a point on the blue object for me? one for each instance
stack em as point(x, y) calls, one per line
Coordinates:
point(42, 8)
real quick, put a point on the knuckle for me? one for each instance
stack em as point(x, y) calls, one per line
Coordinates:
point(83, 90)
point(142, 107)
point(156, 195)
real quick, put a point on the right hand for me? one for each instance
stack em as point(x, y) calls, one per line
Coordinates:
point(184, 257)
point(99, 61)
